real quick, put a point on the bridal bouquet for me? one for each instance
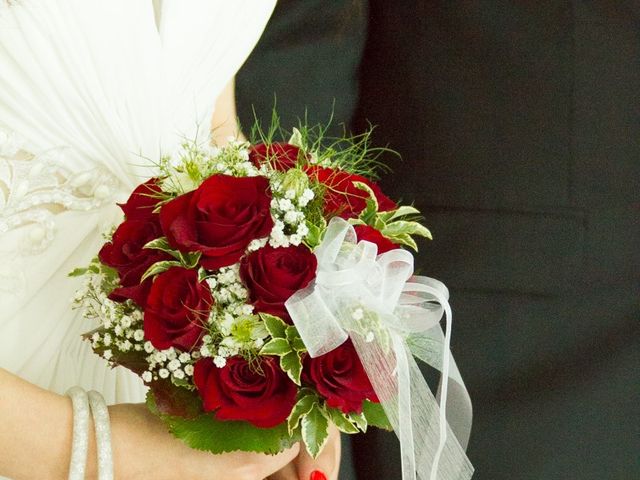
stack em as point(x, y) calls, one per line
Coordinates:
point(261, 291)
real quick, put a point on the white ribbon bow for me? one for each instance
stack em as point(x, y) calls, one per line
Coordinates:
point(390, 316)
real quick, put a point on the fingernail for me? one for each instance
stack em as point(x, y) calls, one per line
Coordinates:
point(317, 475)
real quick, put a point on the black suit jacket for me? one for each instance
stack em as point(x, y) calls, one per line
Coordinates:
point(519, 124)
point(519, 127)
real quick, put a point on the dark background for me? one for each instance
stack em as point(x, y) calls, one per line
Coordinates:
point(519, 128)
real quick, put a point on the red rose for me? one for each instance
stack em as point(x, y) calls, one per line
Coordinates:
point(126, 254)
point(143, 200)
point(281, 156)
point(370, 234)
point(260, 393)
point(178, 307)
point(340, 378)
point(219, 219)
point(272, 275)
point(342, 197)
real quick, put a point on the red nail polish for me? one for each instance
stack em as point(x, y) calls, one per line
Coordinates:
point(317, 475)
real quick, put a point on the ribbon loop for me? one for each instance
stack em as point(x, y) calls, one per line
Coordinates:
point(389, 316)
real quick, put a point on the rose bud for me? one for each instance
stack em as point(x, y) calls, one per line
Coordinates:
point(281, 156)
point(369, 234)
point(219, 219)
point(142, 201)
point(342, 197)
point(340, 378)
point(126, 253)
point(272, 275)
point(177, 310)
point(259, 393)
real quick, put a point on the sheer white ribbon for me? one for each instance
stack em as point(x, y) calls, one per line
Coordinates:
point(390, 316)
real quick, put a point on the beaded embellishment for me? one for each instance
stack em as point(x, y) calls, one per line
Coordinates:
point(35, 188)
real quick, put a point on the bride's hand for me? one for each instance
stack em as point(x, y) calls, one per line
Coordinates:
point(35, 443)
point(143, 449)
point(328, 462)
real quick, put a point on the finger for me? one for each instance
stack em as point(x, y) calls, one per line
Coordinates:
point(263, 466)
point(328, 462)
point(289, 472)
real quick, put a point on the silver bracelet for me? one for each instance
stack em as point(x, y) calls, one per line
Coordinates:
point(80, 442)
point(103, 435)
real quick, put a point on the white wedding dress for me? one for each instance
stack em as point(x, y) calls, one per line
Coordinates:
point(92, 92)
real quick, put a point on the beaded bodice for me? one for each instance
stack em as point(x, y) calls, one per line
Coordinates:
point(34, 188)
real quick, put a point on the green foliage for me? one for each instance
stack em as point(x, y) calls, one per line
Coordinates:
point(375, 416)
point(276, 346)
point(160, 244)
point(351, 153)
point(165, 399)
point(341, 421)
point(78, 272)
point(187, 260)
point(275, 325)
point(285, 343)
point(292, 364)
point(369, 213)
point(210, 434)
point(315, 430)
point(205, 432)
point(159, 267)
point(306, 401)
point(316, 233)
point(399, 225)
point(359, 420)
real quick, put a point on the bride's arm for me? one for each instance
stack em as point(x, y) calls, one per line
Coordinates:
point(225, 118)
point(35, 441)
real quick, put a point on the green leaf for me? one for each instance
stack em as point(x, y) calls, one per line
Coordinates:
point(405, 240)
point(189, 260)
point(296, 138)
point(374, 413)
point(402, 227)
point(315, 431)
point(77, 272)
point(275, 325)
point(292, 364)
point(298, 345)
point(370, 211)
point(403, 211)
point(301, 408)
point(359, 420)
point(160, 244)
point(384, 217)
point(294, 339)
point(202, 275)
point(341, 421)
point(216, 436)
point(158, 268)
point(165, 399)
point(276, 346)
point(316, 232)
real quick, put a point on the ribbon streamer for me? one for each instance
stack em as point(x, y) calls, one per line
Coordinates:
point(391, 316)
